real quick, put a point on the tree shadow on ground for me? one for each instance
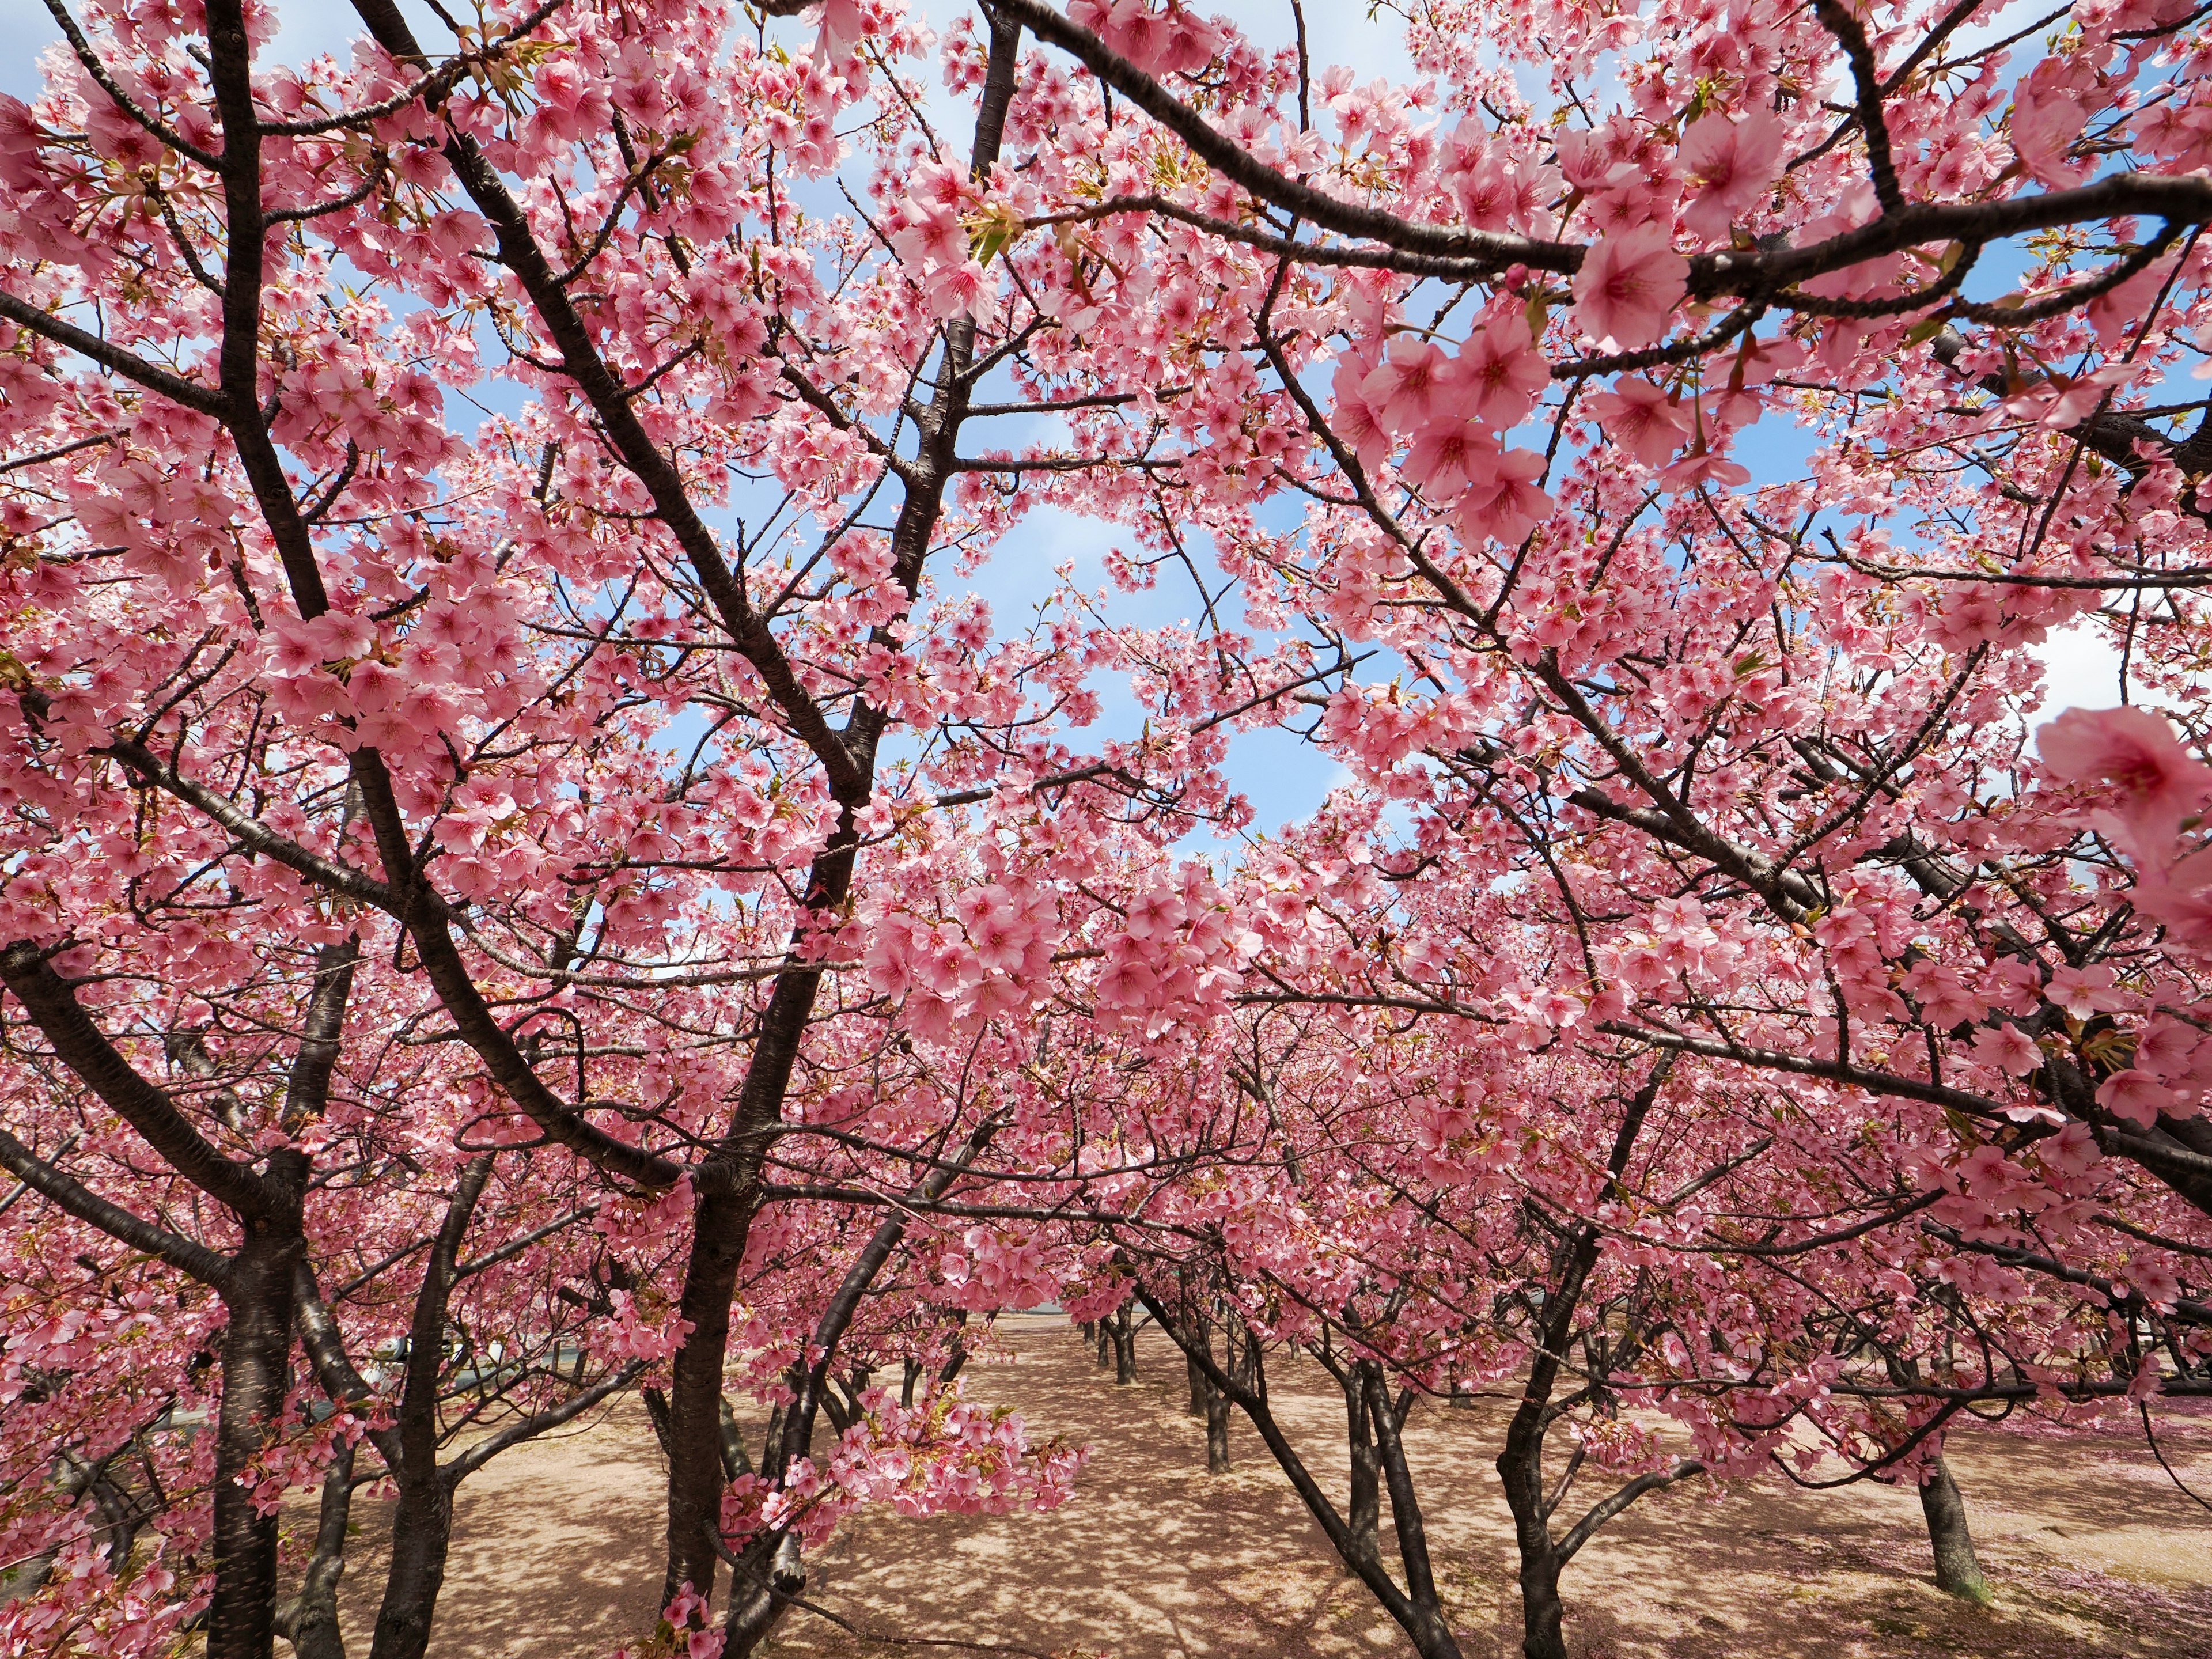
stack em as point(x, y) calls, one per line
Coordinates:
point(558, 1546)
point(1155, 1559)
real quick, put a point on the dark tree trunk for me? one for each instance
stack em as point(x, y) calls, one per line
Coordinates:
point(310, 1620)
point(1520, 1468)
point(1105, 1353)
point(656, 1413)
point(422, 1533)
point(1241, 1379)
point(1957, 1571)
point(720, 1224)
point(1521, 1461)
point(1217, 1432)
point(1384, 1419)
point(1125, 1346)
point(734, 1460)
point(1364, 1512)
point(1542, 1624)
point(768, 1574)
point(957, 1361)
point(1198, 1388)
point(422, 1525)
point(241, 1617)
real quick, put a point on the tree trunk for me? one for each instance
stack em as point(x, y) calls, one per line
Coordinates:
point(1217, 1432)
point(721, 1223)
point(422, 1525)
point(734, 1460)
point(1105, 1355)
point(768, 1575)
point(1241, 1380)
point(656, 1413)
point(1957, 1572)
point(1520, 1468)
point(1521, 1461)
point(1213, 1403)
point(1542, 1633)
point(1125, 1346)
point(1363, 1513)
point(422, 1532)
point(1198, 1388)
point(256, 1343)
point(310, 1620)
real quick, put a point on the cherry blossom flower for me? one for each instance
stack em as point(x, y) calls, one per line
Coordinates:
point(1628, 287)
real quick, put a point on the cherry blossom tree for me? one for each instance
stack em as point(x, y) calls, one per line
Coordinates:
point(1760, 764)
point(499, 578)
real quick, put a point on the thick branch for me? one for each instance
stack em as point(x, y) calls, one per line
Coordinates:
point(89, 1207)
point(80, 1046)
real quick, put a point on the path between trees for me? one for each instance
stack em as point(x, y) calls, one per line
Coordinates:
point(2091, 1549)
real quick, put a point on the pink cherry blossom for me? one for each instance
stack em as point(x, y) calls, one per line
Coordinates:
point(1628, 287)
point(1639, 417)
point(1733, 161)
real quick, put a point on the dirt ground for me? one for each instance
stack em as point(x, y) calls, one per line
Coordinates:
point(2091, 1549)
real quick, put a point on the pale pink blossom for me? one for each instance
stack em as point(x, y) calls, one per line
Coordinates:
point(1499, 373)
point(2136, 753)
point(1638, 417)
point(1628, 287)
point(1733, 162)
point(2133, 1095)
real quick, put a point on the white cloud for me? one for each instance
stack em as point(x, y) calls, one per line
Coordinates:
point(2082, 670)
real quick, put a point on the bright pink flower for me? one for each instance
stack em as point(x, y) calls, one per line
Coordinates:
point(1628, 287)
point(2007, 1047)
point(1638, 417)
point(2180, 900)
point(1411, 386)
point(2167, 1049)
point(2133, 1095)
point(2047, 118)
point(2083, 991)
point(2135, 751)
point(841, 28)
point(1503, 501)
point(1499, 373)
point(1700, 466)
point(1354, 419)
point(1448, 454)
point(1733, 162)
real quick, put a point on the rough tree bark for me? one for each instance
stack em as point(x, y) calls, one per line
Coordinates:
point(255, 1282)
point(1957, 1572)
point(255, 1345)
point(1217, 1432)
point(309, 1620)
point(422, 1524)
point(1364, 1506)
point(1122, 1327)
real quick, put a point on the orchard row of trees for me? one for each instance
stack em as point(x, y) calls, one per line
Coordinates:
point(562, 836)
